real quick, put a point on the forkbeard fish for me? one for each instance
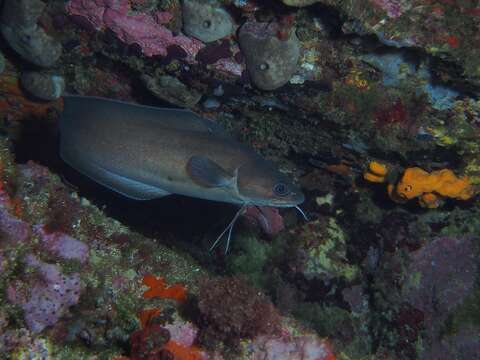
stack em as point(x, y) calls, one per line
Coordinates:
point(147, 153)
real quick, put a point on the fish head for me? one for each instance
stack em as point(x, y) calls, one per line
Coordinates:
point(259, 183)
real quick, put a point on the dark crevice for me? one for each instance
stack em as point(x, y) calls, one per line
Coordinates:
point(188, 218)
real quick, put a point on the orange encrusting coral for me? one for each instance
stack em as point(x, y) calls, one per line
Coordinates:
point(181, 352)
point(429, 188)
point(158, 288)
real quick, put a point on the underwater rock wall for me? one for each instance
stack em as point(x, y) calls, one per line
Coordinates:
point(346, 97)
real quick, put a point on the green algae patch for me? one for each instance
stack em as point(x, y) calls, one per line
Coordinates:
point(324, 246)
point(466, 315)
point(250, 258)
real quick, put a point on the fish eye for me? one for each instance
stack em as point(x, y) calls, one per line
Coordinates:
point(263, 66)
point(408, 188)
point(281, 189)
point(207, 24)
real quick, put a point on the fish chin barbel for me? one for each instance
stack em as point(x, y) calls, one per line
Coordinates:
point(234, 220)
point(146, 153)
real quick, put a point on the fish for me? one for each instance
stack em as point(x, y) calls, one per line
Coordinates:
point(146, 153)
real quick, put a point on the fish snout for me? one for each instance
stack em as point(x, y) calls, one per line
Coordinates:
point(295, 198)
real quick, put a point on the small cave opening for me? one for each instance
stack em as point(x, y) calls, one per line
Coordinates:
point(175, 220)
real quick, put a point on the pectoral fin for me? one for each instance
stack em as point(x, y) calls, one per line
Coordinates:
point(208, 173)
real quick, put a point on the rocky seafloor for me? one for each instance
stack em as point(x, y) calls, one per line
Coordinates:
point(371, 106)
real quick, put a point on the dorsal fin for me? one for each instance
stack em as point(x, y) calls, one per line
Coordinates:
point(179, 119)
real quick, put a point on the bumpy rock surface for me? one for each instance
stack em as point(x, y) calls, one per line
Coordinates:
point(172, 90)
point(448, 29)
point(299, 3)
point(271, 61)
point(206, 21)
point(2, 63)
point(18, 24)
point(43, 85)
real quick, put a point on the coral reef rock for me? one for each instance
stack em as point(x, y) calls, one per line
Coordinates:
point(18, 25)
point(448, 29)
point(285, 347)
point(2, 63)
point(172, 90)
point(321, 251)
point(206, 21)
point(437, 281)
point(43, 85)
point(271, 61)
point(299, 3)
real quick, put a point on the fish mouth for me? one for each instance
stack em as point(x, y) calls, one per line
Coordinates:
point(294, 201)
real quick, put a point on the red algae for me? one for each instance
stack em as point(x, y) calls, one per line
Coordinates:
point(154, 341)
point(147, 315)
point(64, 212)
point(159, 288)
point(395, 114)
point(286, 23)
point(148, 343)
point(230, 310)
point(452, 40)
point(181, 352)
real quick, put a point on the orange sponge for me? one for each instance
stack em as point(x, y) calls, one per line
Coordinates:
point(429, 188)
point(376, 172)
point(416, 182)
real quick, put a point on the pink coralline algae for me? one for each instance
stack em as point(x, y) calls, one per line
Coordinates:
point(182, 332)
point(90, 10)
point(145, 30)
point(46, 293)
point(288, 347)
point(268, 218)
point(13, 230)
point(62, 245)
point(229, 66)
point(443, 282)
point(34, 171)
point(393, 8)
point(45, 299)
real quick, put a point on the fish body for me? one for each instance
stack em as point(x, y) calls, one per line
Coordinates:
point(146, 153)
